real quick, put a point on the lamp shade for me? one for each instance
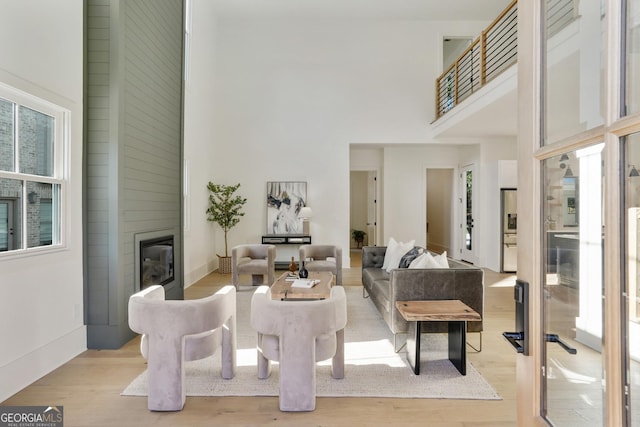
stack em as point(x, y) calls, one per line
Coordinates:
point(305, 212)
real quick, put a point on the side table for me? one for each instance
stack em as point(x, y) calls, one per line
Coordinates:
point(455, 312)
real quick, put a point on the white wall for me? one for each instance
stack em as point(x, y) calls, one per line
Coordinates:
point(41, 322)
point(291, 96)
point(199, 138)
point(405, 187)
point(489, 236)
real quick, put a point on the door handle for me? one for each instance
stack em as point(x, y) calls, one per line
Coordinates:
point(513, 338)
point(555, 338)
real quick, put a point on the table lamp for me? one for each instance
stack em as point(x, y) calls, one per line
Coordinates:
point(305, 214)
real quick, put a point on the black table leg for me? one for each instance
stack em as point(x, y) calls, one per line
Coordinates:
point(457, 345)
point(413, 347)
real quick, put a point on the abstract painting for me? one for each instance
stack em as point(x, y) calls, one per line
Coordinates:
point(284, 201)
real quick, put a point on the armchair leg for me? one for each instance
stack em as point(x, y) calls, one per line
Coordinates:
point(337, 363)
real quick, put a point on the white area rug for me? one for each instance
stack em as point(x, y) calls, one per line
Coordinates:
point(372, 368)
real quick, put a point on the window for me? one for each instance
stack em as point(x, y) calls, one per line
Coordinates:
point(31, 171)
point(632, 60)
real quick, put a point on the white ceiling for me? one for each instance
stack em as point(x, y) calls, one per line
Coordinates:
point(454, 10)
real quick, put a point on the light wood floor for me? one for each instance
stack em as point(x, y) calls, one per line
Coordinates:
point(89, 386)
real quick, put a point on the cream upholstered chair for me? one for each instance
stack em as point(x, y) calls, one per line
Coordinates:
point(257, 260)
point(175, 331)
point(323, 258)
point(297, 334)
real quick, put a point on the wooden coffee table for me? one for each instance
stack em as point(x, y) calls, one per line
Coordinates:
point(455, 312)
point(282, 290)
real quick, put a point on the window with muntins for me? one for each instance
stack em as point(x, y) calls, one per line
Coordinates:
point(32, 178)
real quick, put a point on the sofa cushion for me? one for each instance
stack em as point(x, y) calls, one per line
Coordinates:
point(380, 289)
point(395, 251)
point(420, 261)
point(371, 275)
point(441, 260)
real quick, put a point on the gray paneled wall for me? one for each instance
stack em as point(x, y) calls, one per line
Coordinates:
point(133, 151)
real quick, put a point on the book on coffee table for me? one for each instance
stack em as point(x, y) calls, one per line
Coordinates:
point(304, 283)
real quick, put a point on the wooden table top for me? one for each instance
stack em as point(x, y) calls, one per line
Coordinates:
point(281, 288)
point(436, 310)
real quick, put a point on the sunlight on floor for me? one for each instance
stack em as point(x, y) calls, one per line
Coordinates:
point(359, 353)
point(507, 282)
point(571, 376)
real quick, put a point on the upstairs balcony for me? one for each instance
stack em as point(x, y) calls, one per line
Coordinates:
point(490, 61)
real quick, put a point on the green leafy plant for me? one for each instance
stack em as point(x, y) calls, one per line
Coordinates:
point(358, 236)
point(225, 208)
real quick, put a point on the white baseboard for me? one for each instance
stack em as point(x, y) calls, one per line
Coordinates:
point(198, 273)
point(29, 368)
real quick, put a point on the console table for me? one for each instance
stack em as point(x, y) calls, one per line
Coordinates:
point(291, 241)
point(455, 312)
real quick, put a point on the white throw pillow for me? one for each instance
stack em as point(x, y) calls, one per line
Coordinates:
point(430, 262)
point(391, 247)
point(392, 257)
point(420, 261)
point(441, 260)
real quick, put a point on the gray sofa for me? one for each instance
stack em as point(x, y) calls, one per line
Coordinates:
point(460, 281)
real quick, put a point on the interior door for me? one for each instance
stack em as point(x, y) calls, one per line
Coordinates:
point(372, 202)
point(467, 253)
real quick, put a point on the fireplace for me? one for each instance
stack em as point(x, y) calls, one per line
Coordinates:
point(156, 261)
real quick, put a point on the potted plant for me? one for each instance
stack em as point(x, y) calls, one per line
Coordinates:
point(358, 237)
point(225, 209)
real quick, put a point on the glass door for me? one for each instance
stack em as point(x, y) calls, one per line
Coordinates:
point(573, 289)
point(468, 235)
point(6, 225)
point(631, 292)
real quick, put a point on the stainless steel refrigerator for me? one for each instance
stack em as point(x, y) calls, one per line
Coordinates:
point(509, 215)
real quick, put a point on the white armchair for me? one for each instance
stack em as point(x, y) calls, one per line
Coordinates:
point(257, 260)
point(297, 334)
point(323, 258)
point(175, 331)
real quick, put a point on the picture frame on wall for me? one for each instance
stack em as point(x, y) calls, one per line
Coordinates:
point(285, 199)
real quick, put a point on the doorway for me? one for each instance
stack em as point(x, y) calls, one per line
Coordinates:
point(440, 196)
point(452, 48)
point(363, 224)
point(468, 244)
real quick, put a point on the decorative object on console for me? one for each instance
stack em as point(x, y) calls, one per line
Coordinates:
point(285, 200)
point(305, 213)
point(303, 273)
point(225, 209)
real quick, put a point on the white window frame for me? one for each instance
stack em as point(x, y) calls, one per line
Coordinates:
point(59, 177)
